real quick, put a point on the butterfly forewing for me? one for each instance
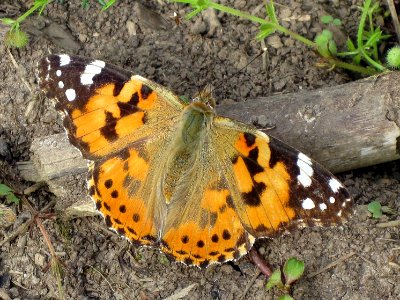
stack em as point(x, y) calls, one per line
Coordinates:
point(104, 108)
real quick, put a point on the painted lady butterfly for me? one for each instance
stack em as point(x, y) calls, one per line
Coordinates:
point(174, 175)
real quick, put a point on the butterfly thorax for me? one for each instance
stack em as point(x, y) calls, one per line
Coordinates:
point(186, 150)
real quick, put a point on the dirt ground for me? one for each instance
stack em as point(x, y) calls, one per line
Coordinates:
point(184, 57)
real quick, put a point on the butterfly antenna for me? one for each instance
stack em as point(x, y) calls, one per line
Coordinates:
point(222, 81)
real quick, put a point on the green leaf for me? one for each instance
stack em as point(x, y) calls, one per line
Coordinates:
point(4, 190)
point(8, 21)
point(285, 297)
point(271, 12)
point(337, 22)
point(11, 198)
point(193, 13)
point(265, 31)
point(275, 280)
point(375, 209)
point(85, 4)
point(326, 46)
point(8, 193)
point(41, 2)
point(332, 47)
point(350, 45)
point(292, 270)
point(326, 19)
point(108, 4)
point(373, 38)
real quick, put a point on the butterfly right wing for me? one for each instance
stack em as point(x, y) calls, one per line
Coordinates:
point(274, 187)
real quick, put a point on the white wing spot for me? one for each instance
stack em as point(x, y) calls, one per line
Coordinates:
point(305, 158)
point(332, 200)
point(304, 179)
point(91, 70)
point(343, 204)
point(49, 67)
point(99, 63)
point(348, 199)
point(322, 206)
point(61, 84)
point(306, 171)
point(339, 213)
point(335, 185)
point(58, 73)
point(308, 204)
point(64, 60)
point(71, 94)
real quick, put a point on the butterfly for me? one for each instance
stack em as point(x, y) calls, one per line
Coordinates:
point(174, 175)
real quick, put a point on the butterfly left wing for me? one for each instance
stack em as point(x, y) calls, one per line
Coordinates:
point(120, 122)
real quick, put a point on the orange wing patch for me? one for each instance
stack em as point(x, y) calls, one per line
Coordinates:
point(115, 185)
point(214, 235)
point(265, 190)
point(110, 116)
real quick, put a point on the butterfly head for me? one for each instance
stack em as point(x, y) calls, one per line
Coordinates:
point(205, 97)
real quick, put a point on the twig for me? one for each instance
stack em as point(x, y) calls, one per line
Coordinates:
point(395, 18)
point(19, 71)
point(389, 224)
point(332, 265)
point(249, 285)
point(20, 230)
point(182, 293)
point(102, 276)
point(34, 188)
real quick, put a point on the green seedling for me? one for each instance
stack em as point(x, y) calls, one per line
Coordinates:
point(292, 271)
point(365, 49)
point(17, 38)
point(375, 209)
point(9, 194)
point(330, 20)
point(326, 45)
point(285, 297)
point(393, 57)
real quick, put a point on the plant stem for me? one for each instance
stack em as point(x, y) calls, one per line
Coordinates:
point(351, 67)
point(278, 27)
point(360, 32)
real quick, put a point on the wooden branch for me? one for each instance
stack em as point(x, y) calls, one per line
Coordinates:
point(343, 127)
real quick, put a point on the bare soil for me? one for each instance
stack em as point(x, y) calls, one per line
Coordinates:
point(210, 49)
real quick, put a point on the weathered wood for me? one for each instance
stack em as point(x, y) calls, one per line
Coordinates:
point(344, 127)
